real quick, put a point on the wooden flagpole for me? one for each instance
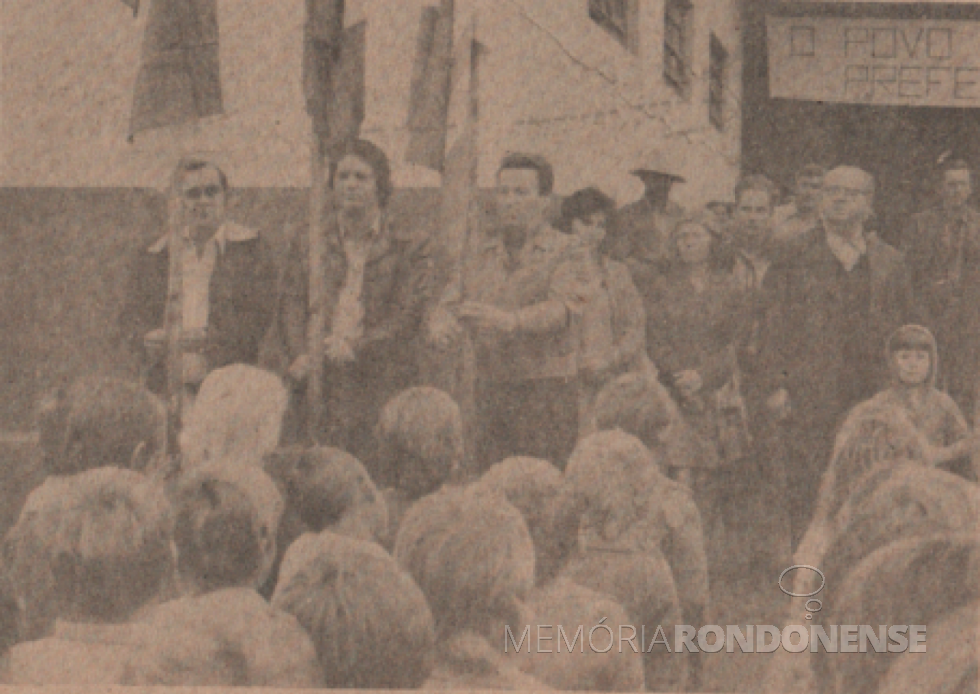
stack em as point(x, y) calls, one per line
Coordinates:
point(469, 140)
point(318, 167)
point(173, 323)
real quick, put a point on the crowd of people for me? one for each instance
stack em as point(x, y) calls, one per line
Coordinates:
point(606, 383)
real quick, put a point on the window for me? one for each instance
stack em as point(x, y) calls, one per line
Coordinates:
point(717, 69)
point(677, 32)
point(617, 17)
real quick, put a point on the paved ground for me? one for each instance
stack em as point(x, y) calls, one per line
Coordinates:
point(745, 559)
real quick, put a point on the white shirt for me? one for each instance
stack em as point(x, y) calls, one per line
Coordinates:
point(349, 311)
point(196, 271)
point(195, 287)
point(848, 251)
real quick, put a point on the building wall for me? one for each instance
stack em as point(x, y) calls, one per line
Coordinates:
point(899, 145)
point(555, 83)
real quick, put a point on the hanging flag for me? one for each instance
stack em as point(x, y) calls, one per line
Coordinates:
point(459, 177)
point(345, 110)
point(179, 78)
point(333, 70)
point(428, 109)
point(134, 5)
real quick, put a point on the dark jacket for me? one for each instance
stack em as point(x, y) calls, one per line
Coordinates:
point(944, 259)
point(242, 298)
point(398, 283)
point(823, 329)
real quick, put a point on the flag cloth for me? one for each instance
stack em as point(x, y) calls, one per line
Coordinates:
point(428, 109)
point(333, 70)
point(345, 111)
point(134, 5)
point(459, 178)
point(179, 78)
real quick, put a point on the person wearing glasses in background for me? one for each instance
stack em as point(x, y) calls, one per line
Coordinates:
point(228, 284)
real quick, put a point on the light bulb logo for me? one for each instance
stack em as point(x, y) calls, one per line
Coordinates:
point(810, 596)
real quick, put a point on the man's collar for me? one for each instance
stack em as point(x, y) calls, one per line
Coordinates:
point(540, 237)
point(848, 251)
point(228, 232)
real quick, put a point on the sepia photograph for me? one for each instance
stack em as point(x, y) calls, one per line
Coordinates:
point(529, 345)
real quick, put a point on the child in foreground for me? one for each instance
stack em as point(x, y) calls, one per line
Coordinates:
point(913, 362)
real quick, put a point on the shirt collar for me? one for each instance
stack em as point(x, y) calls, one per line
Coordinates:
point(228, 232)
point(375, 227)
point(847, 251)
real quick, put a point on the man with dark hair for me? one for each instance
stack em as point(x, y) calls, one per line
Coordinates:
point(755, 197)
point(943, 250)
point(227, 284)
point(800, 215)
point(517, 297)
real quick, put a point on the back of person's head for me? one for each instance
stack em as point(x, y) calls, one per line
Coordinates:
point(531, 486)
point(584, 669)
point(237, 415)
point(611, 494)
point(910, 500)
point(871, 437)
point(101, 422)
point(328, 488)
point(227, 518)
point(913, 580)
point(369, 621)
point(420, 436)
point(93, 547)
point(473, 558)
point(608, 458)
point(636, 404)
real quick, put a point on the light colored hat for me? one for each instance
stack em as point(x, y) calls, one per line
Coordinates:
point(660, 164)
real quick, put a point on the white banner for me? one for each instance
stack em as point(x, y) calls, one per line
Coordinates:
point(875, 61)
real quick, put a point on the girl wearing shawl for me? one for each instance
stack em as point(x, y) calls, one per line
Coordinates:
point(913, 362)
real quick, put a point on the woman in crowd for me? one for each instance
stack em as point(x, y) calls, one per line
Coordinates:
point(612, 321)
point(376, 282)
point(694, 321)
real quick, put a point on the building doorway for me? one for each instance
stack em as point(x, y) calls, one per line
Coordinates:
point(901, 146)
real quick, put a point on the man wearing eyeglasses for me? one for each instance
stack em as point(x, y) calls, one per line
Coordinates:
point(227, 284)
point(831, 298)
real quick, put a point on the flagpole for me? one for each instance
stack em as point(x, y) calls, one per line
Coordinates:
point(317, 192)
point(173, 322)
point(468, 355)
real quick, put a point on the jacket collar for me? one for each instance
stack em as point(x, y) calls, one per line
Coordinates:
point(381, 236)
point(544, 238)
point(229, 232)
